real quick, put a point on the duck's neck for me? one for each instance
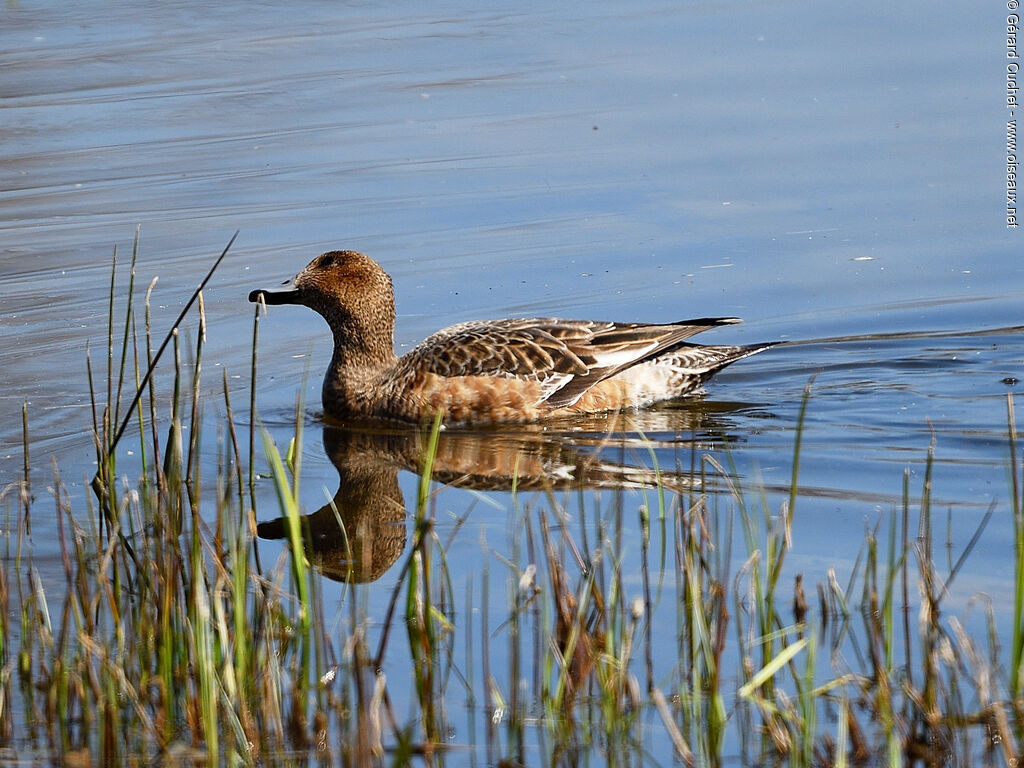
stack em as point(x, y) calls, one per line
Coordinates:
point(360, 363)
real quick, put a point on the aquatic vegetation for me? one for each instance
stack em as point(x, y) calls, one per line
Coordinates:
point(170, 638)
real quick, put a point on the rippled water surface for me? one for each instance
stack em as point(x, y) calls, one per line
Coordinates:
point(830, 173)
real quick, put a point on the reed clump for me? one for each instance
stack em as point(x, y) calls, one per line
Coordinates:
point(168, 638)
point(624, 629)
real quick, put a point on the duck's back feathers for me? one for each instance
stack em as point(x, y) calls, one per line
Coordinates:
point(565, 357)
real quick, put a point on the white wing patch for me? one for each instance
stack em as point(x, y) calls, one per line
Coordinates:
point(623, 356)
point(553, 383)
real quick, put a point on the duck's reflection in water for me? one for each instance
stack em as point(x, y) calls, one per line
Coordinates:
point(362, 531)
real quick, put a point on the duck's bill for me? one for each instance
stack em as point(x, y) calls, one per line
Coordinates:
point(286, 295)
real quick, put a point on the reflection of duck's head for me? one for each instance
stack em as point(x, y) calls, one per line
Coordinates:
point(361, 533)
point(601, 452)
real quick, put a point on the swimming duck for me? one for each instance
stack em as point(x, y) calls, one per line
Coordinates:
point(492, 371)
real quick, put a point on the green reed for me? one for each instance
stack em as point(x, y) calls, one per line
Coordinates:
point(1017, 502)
point(167, 631)
point(167, 639)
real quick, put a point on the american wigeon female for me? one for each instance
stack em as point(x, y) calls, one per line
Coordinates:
point(492, 371)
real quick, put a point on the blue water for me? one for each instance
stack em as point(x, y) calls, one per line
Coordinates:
point(831, 173)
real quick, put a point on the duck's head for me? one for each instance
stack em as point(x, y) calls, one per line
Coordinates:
point(349, 289)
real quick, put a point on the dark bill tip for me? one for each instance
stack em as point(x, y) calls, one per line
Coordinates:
point(275, 297)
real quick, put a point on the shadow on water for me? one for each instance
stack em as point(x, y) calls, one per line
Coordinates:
point(904, 335)
point(930, 363)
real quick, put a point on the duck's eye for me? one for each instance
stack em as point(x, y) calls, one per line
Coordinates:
point(327, 260)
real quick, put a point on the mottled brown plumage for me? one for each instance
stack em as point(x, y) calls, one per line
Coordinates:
point(513, 370)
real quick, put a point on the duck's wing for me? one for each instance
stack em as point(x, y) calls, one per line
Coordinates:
point(566, 357)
